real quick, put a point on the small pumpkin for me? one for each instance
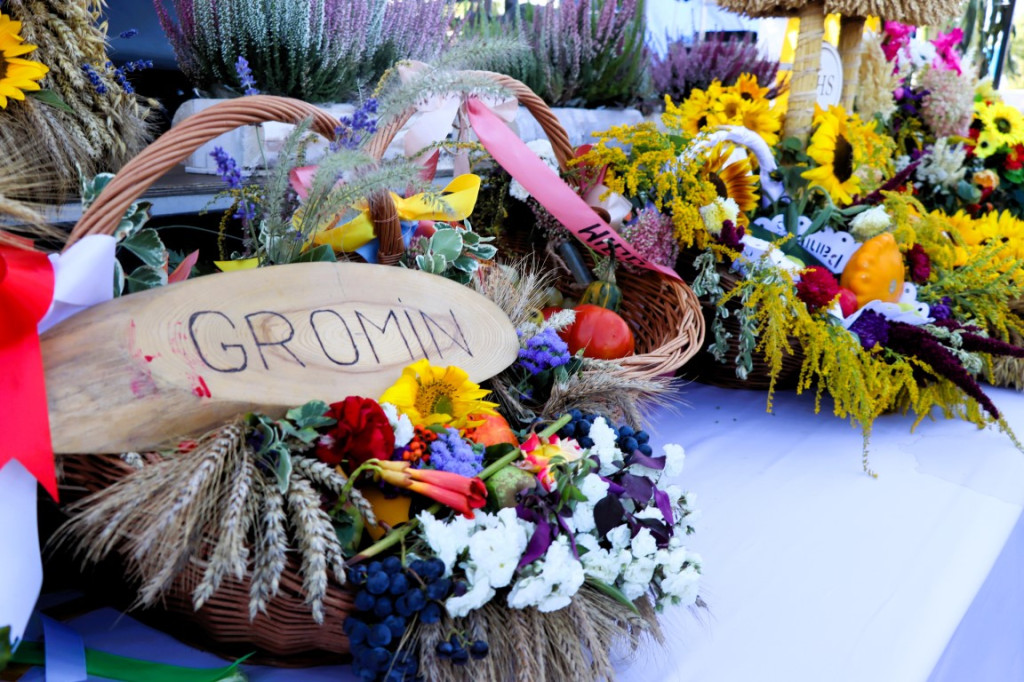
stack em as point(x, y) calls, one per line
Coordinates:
point(388, 510)
point(604, 292)
point(875, 271)
point(491, 429)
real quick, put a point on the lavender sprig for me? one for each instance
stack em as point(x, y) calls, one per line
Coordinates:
point(355, 129)
point(245, 76)
point(452, 454)
point(543, 351)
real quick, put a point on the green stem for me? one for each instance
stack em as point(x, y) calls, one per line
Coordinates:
point(392, 538)
point(554, 426)
point(368, 465)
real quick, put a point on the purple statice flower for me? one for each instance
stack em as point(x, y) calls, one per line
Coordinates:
point(731, 235)
point(129, 34)
point(245, 76)
point(942, 310)
point(453, 454)
point(227, 168)
point(353, 130)
point(94, 79)
point(543, 351)
point(872, 328)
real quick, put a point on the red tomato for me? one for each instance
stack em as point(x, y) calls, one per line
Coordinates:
point(602, 333)
point(847, 301)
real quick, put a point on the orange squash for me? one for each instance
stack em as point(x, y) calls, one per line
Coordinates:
point(392, 511)
point(875, 271)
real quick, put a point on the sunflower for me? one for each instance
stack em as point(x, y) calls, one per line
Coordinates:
point(1003, 125)
point(733, 180)
point(17, 75)
point(746, 86)
point(763, 119)
point(693, 115)
point(833, 150)
point(437, 395)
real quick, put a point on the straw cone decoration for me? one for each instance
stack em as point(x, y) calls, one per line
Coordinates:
point(804, 88)
point(850, 32)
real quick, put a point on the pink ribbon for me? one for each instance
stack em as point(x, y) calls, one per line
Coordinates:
point(545, 186)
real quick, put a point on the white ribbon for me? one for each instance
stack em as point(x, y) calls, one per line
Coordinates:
point(771, 190)
point(83, 276)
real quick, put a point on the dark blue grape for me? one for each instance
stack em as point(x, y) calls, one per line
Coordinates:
point(377, 583)
point(444, 649)
point(460, 657)
point(434, 570)
point(430, 614)
point(392, 565)
point(478, 649)
point(439, 589)
point(356, 630)
point(575, 414)
point(587, 442)
point(419, 567)
point(645, 448)
point(626, 430)
point(384, 607)
point(642, 437)
point(399, 584)
point(396, 624)
point(411, 602)
point(568, 431)
point(629, 444)
point(357, 575)
point(375, 566)
point(364, 601)
point(367, 674)
point(460, 588)
point(583, 429)
point(380, 635)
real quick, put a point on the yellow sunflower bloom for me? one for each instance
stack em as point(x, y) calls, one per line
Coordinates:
point(17, 75)
point(834, 153)
point(763, 119)
point(747, 87)
point(692, 115)
point(437, 395)
point(733, 180)
point(1003, 124)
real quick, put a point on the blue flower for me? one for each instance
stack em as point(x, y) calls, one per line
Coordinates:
point(543, 351)
point(227, 168)
point(453, 454)
point(353, 130)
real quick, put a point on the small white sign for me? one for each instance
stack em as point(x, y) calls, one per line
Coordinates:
point(830, 76)
point(777, 224)
point(832, 248)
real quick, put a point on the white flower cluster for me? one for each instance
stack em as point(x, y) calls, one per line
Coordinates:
point(549, 583)
point(400, 423)
point(717, 212)
point(544, 150)
point(944, 165)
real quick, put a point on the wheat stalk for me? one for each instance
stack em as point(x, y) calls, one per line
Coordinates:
point(271, 548)
point(317, 543)
point(331, 479)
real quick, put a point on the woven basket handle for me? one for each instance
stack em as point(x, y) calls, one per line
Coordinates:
point(545, 117)
point(174, 146)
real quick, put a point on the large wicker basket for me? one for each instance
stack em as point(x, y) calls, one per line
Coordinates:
point(663, 313)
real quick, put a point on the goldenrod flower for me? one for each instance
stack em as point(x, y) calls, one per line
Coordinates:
point(437, 395)
point(17, 75)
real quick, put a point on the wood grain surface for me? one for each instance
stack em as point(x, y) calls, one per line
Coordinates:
point(145, 369)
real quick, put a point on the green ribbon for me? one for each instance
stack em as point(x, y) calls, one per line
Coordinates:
point(111, 666)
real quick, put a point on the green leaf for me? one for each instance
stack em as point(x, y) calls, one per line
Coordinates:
point(51, 98)
point(145, 277)
point(447, 243)
point(485, 251)
point(118, 278)
point(348, 527)
point(146, 244)
point(319, 254)
point(613, 592)
point(283, 469)
point(312, 415)
point(466, 263)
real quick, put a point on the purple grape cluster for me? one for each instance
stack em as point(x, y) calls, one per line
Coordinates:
point(388, 597)
point(628, 439)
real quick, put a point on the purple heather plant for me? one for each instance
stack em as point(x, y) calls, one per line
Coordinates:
point(316, 50)
point(688, 66)
point(652, 235)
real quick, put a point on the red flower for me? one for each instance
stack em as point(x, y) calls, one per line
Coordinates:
point(919, 264)
point(461, 493)
point(817, 287)
point(363, 432)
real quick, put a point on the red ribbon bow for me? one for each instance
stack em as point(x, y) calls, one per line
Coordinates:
point(26, 291)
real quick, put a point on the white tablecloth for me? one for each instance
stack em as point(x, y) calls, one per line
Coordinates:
point(814, 570)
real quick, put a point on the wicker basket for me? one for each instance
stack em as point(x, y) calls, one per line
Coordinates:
point(663, 313)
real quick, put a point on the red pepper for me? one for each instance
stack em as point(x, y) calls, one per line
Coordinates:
point(600, 332)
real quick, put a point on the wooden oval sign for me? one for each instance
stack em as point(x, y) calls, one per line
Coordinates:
point(138, 371)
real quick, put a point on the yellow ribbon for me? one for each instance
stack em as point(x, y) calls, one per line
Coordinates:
point(458, 199)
